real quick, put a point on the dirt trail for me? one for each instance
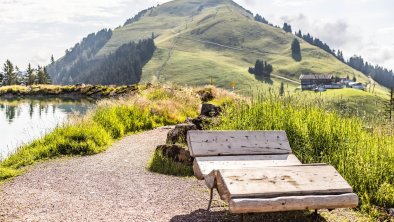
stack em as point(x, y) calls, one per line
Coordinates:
point(112, 186)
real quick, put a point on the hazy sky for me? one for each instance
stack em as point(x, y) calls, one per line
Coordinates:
point(32, 30)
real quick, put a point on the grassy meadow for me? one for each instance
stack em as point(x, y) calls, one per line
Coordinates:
point(365, 158)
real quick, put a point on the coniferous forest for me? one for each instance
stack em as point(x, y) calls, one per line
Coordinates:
point(81, 64)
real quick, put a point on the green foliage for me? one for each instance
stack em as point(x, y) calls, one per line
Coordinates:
point(162, 164)
point(80, 56)
point(123, 119)
point(287, 27)
point(261, 69)
point(80, 139)
point(6, 173)
point(96, 91)
point(282, 89)
point(9, 73)
point(124, 66)
point(365, 159)
point(296, 50)
point(385, 195)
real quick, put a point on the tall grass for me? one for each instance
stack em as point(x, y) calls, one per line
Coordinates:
point(365, 159)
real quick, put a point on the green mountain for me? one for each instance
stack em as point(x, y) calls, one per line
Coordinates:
point(210, 42)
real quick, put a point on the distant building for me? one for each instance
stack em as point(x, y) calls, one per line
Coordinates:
point(356, 85)
point(311, 81)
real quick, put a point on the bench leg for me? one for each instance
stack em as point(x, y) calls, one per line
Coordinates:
point(210, 199)
point(315, 214)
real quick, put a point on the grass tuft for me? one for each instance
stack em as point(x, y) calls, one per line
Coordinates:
point(164, 165)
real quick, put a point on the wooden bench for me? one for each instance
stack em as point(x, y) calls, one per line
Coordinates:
point(254, 171)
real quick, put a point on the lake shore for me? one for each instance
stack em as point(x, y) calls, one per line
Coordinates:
point(67, 91)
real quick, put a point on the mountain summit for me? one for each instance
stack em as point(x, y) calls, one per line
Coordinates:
point(196, 42)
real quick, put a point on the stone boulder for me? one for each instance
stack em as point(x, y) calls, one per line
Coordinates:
point(201, 121)
point(206, 95)
point(178, 135)
point(176, 153)
point(210, 110)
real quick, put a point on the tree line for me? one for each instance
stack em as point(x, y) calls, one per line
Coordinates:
point(66, 69)
point(124, 66)
point(11, 75)
point(378, 73)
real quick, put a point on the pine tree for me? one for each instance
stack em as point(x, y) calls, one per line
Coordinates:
point(19, 76)
point(1, 78)
point(41, 75)
point(281, 89)
point(10, 74)
point(47, 78)
point(287, 27)
point(389, 105)
point(30, 76)
point(52, 60)
point(296, 50)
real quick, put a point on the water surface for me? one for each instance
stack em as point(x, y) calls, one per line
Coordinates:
point(22, 121)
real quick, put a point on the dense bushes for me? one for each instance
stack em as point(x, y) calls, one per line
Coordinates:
point(365, 159)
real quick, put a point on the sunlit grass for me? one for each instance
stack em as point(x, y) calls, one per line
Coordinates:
point(93, 133)
point(160, 163)
point(364, 158)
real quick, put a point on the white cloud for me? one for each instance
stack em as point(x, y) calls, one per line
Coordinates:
point(32, 30)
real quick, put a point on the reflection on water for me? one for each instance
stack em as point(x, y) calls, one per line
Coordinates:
point(22, 121)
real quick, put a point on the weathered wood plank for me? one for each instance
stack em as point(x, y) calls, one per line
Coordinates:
point(222, 143)
point(279, 181)
point(259, 205)
point(204, 165)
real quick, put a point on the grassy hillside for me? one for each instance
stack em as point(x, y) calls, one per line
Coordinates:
point(191, 31)
point(215, 41)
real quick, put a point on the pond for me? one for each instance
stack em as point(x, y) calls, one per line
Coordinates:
point(22, 121)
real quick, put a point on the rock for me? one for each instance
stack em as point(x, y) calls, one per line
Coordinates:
point(176, 153)
point(179, 133)
point(201, 122)
point(205, 95)
point(391, 211)
point(210, 110)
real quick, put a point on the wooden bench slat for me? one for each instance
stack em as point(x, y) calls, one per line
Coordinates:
point(259, 205)
point(222, 143)
point(204, 165)
point(280, 181)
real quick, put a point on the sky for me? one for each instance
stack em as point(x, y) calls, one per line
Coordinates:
point(33, 30)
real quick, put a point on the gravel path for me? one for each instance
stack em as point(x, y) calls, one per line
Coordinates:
point(113, 186)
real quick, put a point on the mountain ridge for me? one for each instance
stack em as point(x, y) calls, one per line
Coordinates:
point(215, 41)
